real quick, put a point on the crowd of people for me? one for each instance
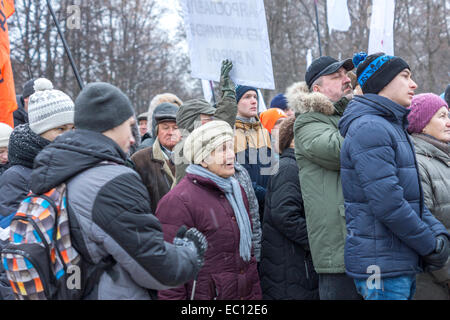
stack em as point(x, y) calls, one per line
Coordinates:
point(338, 191)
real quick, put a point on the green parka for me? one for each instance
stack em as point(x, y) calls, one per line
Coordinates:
point(317, 150)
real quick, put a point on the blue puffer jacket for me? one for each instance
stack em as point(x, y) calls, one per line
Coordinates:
point(388, 224)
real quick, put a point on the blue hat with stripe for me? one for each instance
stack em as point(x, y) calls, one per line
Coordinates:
point(375, 71)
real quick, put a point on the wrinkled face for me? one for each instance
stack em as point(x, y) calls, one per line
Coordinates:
point(123, 134)
point(439, 125)
point(168, 134)
point(51, 134)
point(400, 89)
point(3, 155)
point(142, 127)
point(248, 105)
point(221, 160)
point(335, 85)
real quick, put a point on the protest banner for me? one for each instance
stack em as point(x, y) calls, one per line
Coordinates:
point(381, 37)
point(8, 102)
point(229, 29)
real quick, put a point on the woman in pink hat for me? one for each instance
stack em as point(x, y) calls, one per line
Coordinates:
point(429, 124)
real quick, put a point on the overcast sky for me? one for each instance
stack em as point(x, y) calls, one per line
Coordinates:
point(172, 18)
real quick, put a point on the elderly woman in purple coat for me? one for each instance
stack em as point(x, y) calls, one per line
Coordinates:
point(211, 200)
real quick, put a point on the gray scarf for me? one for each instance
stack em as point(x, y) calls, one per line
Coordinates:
point(233, 194)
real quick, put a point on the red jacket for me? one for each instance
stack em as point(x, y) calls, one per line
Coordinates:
point(198, 202)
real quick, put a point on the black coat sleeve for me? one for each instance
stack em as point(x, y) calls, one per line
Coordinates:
point(122, 210)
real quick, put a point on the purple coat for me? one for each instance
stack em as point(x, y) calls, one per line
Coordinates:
point(198, 202)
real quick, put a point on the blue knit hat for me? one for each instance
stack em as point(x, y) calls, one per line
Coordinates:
point(241, 90)
point(375, 71)
point(279, 101)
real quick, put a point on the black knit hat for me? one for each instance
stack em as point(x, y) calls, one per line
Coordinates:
point(374, 72)
point(101, 106)
point(28, 88)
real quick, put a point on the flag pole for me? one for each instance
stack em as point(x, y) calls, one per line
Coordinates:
point(212, 91)
point(318, 28)
point(66, 47)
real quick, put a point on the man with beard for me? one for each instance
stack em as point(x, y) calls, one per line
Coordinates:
point(319, 104)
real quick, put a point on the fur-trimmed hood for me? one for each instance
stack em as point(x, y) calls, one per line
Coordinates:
point(301, 100)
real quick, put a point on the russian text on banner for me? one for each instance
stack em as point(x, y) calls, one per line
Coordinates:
point(229, 29)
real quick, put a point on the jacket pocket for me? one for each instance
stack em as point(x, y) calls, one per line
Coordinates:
point(216, 288)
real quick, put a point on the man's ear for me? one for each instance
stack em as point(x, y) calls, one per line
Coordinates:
point(315, 88)
point(204, 165)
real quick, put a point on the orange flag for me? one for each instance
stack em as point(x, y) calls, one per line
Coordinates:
point(7, 91)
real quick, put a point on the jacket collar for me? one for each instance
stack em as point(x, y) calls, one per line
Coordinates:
point(431, 147)
point(157, 154)
point(288, 153)
point(386, 106)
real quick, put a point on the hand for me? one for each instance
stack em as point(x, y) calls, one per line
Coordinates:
point(437, 259)
point(192, 237)
point(226, 84)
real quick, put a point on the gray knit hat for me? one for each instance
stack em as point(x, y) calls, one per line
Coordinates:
point(49, 108)
point(100, 106)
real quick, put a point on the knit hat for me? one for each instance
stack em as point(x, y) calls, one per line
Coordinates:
point(279, 101)
point(48, 108)
point(101, 106)
point(374, 72)
point(241, 90)
point(323, 66)
point(205, 139)
point(28, 88)
point(423, 107)
point(5, 132)
point(165, 112)
point(269, 117)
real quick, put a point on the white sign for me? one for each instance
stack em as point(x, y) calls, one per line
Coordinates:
point(229, 29)
point(338, 16)
point(381, 37)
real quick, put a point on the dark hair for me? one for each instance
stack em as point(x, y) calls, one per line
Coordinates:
point(286, 133)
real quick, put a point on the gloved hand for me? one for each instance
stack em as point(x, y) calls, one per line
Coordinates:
point(194, 239)
point(226, 84)
point(437, 259)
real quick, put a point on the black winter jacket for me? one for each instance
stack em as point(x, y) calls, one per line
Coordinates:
point(110, 207)
point(286, 268)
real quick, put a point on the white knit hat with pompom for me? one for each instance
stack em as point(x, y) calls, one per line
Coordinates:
point(49, 108)
point(5, 132)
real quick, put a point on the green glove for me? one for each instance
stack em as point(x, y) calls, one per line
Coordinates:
point(226, 84)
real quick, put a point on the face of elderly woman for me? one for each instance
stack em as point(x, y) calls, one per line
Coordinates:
point(221, 160)
point(439, 125)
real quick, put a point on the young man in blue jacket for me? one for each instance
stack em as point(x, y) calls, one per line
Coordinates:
point(391, 235)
